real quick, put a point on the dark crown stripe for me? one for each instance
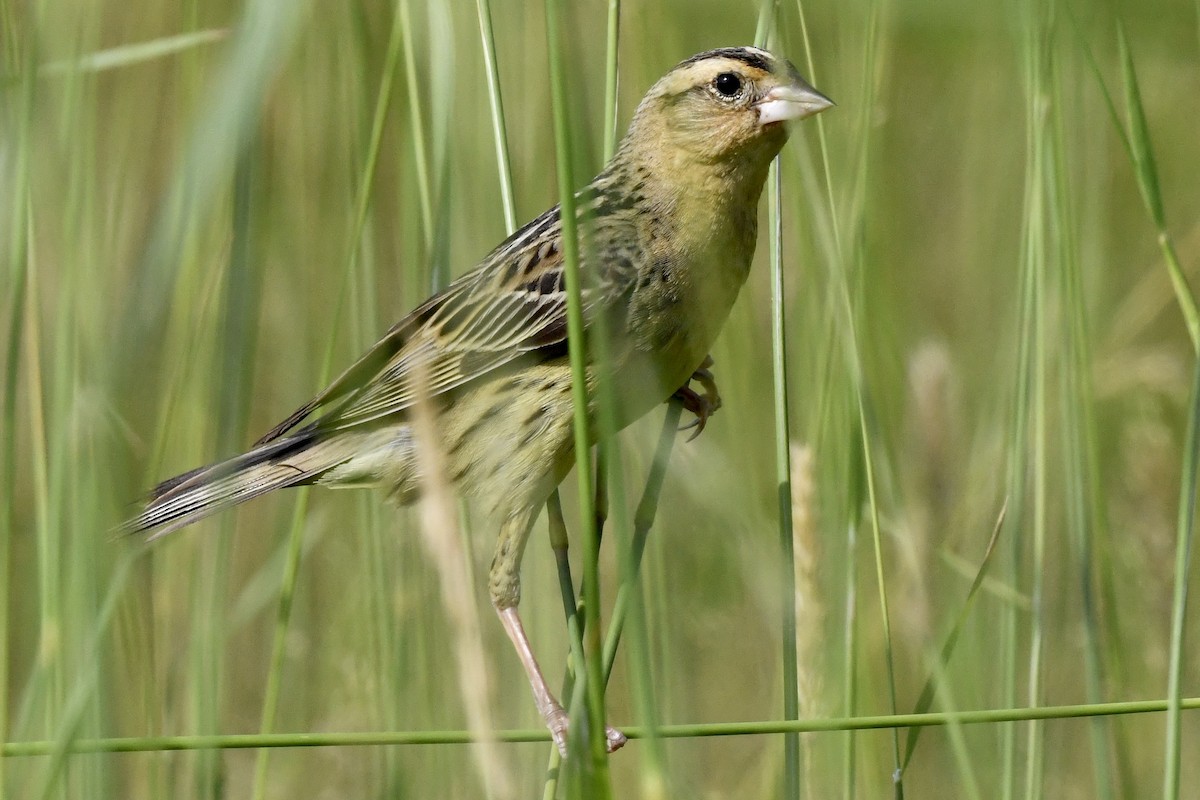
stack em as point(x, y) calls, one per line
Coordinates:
point(748, 57)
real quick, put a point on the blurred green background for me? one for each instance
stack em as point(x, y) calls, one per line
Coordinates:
point(194, 236)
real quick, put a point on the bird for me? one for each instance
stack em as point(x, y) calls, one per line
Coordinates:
point(668, 229)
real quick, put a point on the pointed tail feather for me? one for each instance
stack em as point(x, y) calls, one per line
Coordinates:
point(299, 459)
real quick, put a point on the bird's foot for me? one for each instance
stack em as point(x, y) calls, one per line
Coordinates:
point(703, 405)
point(548, 706)
point(560, 725)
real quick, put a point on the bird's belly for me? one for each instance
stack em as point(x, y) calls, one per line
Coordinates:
point(509, 441)
point(647, 378)
point(670, 334)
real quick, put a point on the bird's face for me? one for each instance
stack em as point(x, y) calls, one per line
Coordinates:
point(727, 107)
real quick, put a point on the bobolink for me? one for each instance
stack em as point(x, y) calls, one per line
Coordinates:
point(669, 230)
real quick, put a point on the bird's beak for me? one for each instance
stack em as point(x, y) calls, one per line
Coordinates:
point(794, 101)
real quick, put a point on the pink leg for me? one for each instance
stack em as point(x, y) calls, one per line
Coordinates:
point(549, 707)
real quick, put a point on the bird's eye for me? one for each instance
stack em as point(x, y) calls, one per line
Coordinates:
point(727, 84)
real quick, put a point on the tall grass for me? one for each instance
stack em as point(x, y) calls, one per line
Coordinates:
point(210, 208)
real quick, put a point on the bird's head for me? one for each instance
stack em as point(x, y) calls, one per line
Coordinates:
point(724, 107)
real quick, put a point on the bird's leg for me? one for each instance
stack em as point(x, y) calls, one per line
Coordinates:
point(505, 588)
point(548, 706)
point(702, 405)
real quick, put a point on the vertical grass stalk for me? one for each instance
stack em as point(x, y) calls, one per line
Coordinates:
point(782, 438)
point(578, 358)
point(1035, 47)
point(783, 488)
point(610, 491)
point(1184, 535)
point(416, 121)
point(1084, 516)
point(611, 78)
point(17, 126)
point(496, 101)
point(828, 230)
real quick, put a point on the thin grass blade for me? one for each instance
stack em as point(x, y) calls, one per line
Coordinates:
point(925, 700)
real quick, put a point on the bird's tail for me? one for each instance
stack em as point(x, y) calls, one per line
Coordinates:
point(292, 461)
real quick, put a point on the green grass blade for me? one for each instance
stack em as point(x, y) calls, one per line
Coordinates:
point(766, 22)
point(644, 515)
point(881, 586)
point(925, 699)
point(611, 50)
point(416, 120)
point(1139, 135)
point(1184, 536)
point(1146, 171)
point(1036, 250)
point(499, 132)
point(131, 54)
point(783, 488)
point(17, 226)
point(261, 41)
point(863, 722)
point(1085, 516)
point(598, 758)
point(83, 691)
point(783, 464)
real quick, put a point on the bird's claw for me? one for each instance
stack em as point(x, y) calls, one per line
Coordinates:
point(614, 740)
point(559, 725)
point(703, 405)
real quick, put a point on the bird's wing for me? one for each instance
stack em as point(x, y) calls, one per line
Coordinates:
point(512, 305)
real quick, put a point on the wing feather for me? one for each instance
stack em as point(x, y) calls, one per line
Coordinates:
point(511, 306)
